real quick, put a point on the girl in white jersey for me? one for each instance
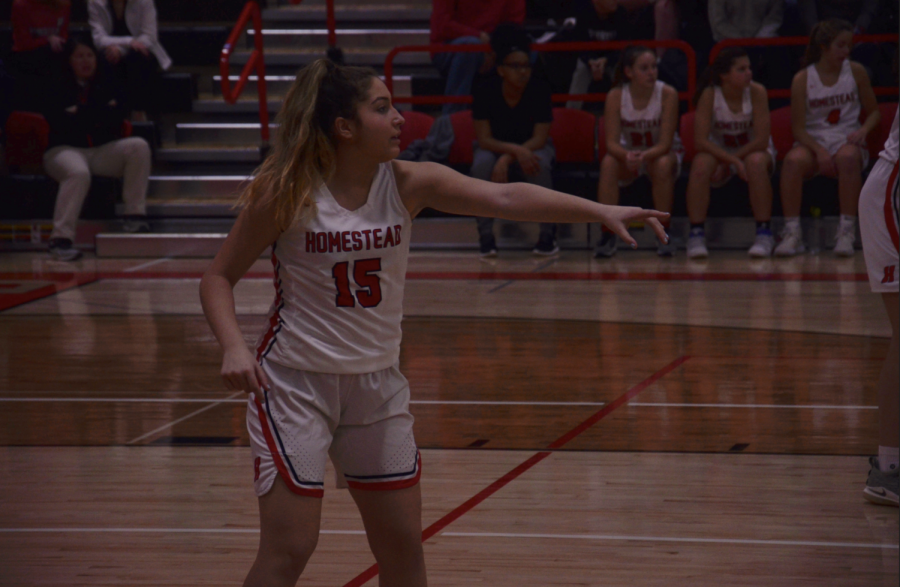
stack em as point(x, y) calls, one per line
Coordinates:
point(826, 98)
point(731, 133)
point(337, 210)
point(878, 223)
point(641, 119)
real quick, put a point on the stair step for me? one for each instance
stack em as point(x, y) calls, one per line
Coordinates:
point(306, 13)
point(278, 85)
point(275, 38)
point(299, 57)
point(209, 154)
point(196, 187)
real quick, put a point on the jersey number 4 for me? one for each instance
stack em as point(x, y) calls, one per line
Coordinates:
point(369, 292)
point(834, 116)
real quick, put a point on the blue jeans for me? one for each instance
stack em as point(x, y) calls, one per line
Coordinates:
point(459, 69)
point(483, 166)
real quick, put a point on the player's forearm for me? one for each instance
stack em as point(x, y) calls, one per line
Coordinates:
point(525, 202)
point(495, 146)
point(707, 146)
point(217, 299)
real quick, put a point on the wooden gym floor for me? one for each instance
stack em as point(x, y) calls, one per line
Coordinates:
point(630, 422)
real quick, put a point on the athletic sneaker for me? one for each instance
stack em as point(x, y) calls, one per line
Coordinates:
point(791, 243)
point(135, 225)
point(881, 486)
point(843, 242)
point(62, 250)
point(545, 247)
point(667, 249)
point(606, 246)
point(488, 247)
point(762, 246)
point(696, 247)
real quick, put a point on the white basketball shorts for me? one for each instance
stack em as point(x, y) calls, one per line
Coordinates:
point(361, 421)
point(878, 223)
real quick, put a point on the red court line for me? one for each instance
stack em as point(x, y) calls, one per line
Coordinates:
point(506, 276)
point(494, 487)
point(68, 281)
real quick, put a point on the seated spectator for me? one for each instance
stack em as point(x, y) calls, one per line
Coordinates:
point(741, 19)
point(86, 117)
point(467, 22)
point(732, 137)
point(860, 13)
point(826, 99)
point(40, 30)
point(125, 33)
point(665, 18)
point(641, 118)
point(596, 20)
point(512, 112)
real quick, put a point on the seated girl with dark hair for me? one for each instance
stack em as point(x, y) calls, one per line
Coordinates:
point(86, 116)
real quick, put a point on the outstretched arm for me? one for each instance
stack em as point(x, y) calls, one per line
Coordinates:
point(431, 185)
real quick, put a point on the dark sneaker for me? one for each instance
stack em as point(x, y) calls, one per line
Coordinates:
point(606, 246)
point(135, 225)
point(545, 247)
point(881, 486)
point(488, 247)
point(62, 250)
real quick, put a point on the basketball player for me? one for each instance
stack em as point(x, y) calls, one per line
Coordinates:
point(337, 210)
point(641, 118)
point(826, 99)
point(878, 223)
point(731, 133)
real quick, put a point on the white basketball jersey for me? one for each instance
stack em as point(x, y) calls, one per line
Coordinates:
point(832, 112)
point(731, 130)
point(640, 128)
point(339, 283)
point(892, 144)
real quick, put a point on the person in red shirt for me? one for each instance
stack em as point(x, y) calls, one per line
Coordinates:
point(40, 31)
point(467, 22)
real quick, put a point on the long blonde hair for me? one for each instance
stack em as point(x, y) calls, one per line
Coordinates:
point(303, 153)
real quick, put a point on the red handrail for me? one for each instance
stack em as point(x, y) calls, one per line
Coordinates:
point(255, 62)
point(793, 41)
point(548, 47)
point(329, 21)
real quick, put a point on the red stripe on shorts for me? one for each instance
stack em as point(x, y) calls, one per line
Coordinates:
point(275, 318)
point(276, 456)
point(889, 208)
point(390, 485)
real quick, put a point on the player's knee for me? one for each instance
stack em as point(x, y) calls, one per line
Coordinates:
point(796, 160)
point(609, 163)
point(297, 551)
point(757, 162)
point(847, 161)
point(662, 168)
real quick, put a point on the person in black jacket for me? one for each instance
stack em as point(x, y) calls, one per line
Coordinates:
point(86, 117)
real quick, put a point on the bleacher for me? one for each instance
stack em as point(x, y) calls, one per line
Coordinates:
point(204, 148)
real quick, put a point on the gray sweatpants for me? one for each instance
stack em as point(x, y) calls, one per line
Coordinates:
point(72, 167)
point(483, 162)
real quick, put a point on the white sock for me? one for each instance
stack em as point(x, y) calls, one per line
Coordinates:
point(888, 457)
point(848, 221)
point(792, 223)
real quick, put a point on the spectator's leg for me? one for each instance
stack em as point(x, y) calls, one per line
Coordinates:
point(758, 165)
point(69, 166)
point(483, 162)
point(544, 178)
point(665, 16)
point(461, 69)
point(581, 81)
point(799, 164)
point(129, 159)
point(848, 161)
point(702, 168)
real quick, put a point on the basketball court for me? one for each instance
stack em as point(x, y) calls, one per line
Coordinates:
point(629, 422)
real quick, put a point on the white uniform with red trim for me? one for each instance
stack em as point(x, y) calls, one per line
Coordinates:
point(331, 349)
point(832, 112)
point(639, 129)
point(878, 216)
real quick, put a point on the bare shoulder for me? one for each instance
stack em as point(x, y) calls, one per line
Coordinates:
point(614, 94)
point(413, 177)
point(859, 71)
point(758, 90)
point(800, 77)
point(669, 92)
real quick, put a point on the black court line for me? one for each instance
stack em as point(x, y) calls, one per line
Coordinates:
point(535, 270)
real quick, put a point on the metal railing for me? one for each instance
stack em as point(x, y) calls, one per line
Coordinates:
point(543, 47)
point(795, 41)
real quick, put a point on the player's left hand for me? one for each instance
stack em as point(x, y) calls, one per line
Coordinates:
point(617, 219)
point(858, 138)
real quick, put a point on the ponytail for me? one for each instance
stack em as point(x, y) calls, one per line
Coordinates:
point(712, 75)
point(303, 153)
point(822, 35)
point(629, 56)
